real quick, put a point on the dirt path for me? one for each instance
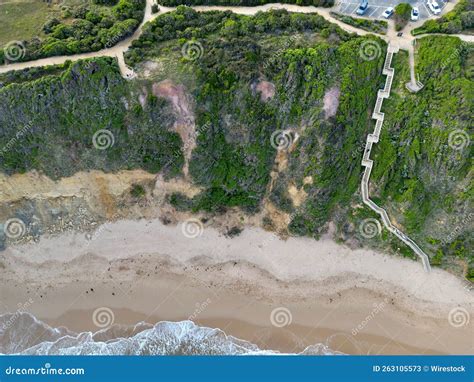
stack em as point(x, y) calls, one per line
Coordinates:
point(115, 51)
point(119, 49)
point(403, 42)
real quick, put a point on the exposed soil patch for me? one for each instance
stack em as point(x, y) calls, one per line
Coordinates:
point(185, 122)
point(143, 96)
point(279, 219)
point(266, 90)
point(298, 196)
point(331, 101)
point(149, 67)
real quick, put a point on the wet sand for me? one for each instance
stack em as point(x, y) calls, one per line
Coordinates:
point(281, 295)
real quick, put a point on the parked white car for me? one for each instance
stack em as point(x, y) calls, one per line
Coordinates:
point(434, 7)
point(388, 12)
point(362, 7)
point(415, 14)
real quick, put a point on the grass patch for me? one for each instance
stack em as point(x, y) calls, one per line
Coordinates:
point(72, 27)
point(22, 20)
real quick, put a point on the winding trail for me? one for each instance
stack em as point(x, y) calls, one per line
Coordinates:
point(406, 42)
point(120, 48)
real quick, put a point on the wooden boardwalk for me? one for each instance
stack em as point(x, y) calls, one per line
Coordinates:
point(368, 163)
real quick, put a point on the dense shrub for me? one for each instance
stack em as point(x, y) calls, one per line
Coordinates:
point(49, 124)
point(460, 19)
point(402, 15)
point(90, 31)
point(376, 26)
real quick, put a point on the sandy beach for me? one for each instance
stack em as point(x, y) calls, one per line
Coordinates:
point(281, 295)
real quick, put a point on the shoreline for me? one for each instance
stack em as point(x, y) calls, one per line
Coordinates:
point(146, 271)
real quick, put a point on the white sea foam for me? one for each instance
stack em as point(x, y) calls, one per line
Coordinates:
point(28, 335)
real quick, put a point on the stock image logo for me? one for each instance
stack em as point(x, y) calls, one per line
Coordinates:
point(458, 317)
point(192, 228)
point(281, 317)
point(458, 139)
point(370, 50)
point(14, 51)
point(281, 140)
point(103, 317)
point(14, 228)
point(103, 139)
point(369, 228)
point(192, 50)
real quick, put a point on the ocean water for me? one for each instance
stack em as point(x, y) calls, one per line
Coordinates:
point(22, 333)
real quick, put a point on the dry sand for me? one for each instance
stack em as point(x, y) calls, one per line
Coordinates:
point(356, 301)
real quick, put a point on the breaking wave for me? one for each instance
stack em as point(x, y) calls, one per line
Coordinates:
point(22, 333)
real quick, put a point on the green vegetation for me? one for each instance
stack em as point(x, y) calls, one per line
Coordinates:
point(22, 20)
point(376, 26)
point(316, 3)
point(137, 191)
point(48, 118)
point(233, 157)
point(423, 181)
point(49, 124)
point(30, 74)
point(460, 19)
point(85, 28)
point(402, 15)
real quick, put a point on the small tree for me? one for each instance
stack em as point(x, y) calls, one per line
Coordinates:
point(155, 8)
point(402, 15)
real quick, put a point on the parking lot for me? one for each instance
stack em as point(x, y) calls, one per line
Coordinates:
point(377, 7)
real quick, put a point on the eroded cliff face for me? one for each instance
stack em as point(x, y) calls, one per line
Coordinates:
point(39, 205)
point(32, 204)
